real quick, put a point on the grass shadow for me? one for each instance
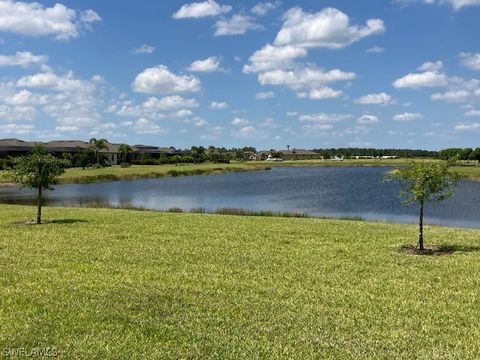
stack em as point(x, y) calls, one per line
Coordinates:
point(440, 250)
point(67, 221)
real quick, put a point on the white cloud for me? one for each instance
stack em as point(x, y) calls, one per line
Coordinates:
point(452, 96)
point(169, 102)
point(407, 117)
point(52, 81)
point(34, 19)
point(16, 129)
point(325, 118)
point(17, 113)
point(146, 126)
point(250, 132)
point(375, 50)
point(182, 113)
point(367, 119)
point(240, 122)
point(468, 127)
point(236, 25)
point(329, 28)
point(273, 58)
point(262, 9)
point(470, 60)
point(306, 78)
point(374, 99)
point(144, 49)
point(159, 80)
point(264, 95)
point(217, 105)
point(22, 58)
point(419, 80)
point(68, 129)
point(212, 64)
point(323, 93)
point(212, 133)
point(456, 4)
point(201, 9)
point(291, 113)
point(316, 130)
point(431, 66)
point(472, 113)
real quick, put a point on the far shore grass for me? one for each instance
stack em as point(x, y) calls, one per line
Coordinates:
point(120, 284)
point(113, 173)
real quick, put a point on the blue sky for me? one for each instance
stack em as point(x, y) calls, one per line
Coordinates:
point(400, 73)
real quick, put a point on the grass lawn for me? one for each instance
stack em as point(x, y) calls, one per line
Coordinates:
point(119, 284)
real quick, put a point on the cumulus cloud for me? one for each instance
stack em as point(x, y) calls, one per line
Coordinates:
point(264, 95)
point(472, 113)
point(375, 50)
point(34, 19)
point(250, 132)
point(236, 25)
point(262, 9)
point(169, 102)
point(325, 118)
point(273, 58)
point(367, 119)
point(16, 129)
point(218, 105)
point(407, 117)
point(468, 126)
point(329, 28)
point(420, 80)
point(321, 93)
point(144, 49)
point(456, 4)
point(431, 66)
point(149, 127)
point(201, 9)
point(374, 99)
point(298, 79)
point(452, 96)
point(240, 121)
point(212, 64)
point(23, 59)
point(470, 60)
point(49, 80)
point(159, 80)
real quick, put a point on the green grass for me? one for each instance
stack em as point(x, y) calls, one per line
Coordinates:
point(89, 175)
point(119, 284)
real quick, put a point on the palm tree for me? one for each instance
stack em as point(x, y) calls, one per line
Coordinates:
point(123, 151)
point(98, 145)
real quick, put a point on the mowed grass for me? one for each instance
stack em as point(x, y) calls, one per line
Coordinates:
point(119, 284)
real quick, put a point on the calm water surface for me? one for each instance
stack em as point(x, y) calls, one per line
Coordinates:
point(327, 191)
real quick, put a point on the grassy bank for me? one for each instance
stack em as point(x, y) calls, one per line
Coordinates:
point(466, 172)
point(116, 284)
point(113, 173)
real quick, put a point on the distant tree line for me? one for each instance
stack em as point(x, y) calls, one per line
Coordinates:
point(350, 152)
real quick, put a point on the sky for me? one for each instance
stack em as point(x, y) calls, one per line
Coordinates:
point(309, 74)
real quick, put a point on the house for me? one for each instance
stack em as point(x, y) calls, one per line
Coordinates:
point(16, 147)
point(290, 154)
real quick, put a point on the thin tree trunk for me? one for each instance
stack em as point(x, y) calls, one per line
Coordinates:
point(420, 228)
point(39, 206)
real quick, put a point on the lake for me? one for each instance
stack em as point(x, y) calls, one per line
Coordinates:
point(322, 191)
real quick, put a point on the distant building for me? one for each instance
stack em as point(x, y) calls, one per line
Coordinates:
point(292, 154)
point(16, 147)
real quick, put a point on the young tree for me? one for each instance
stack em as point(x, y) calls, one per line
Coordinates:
point(97, 146)
point(422, 182)
point(123, 151)
point(38, 171)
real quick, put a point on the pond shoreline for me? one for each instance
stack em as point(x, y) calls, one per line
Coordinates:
point(115, 173)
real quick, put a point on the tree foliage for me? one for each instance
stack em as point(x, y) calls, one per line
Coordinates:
point(39, 171)
point(423, 182)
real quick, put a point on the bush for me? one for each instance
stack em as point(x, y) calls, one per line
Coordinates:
point(125, 165)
